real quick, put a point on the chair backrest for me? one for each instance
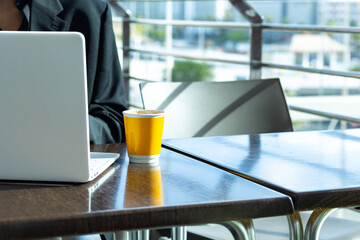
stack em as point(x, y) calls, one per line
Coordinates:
point(195, 109)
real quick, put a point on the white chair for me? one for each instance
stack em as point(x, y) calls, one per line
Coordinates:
point(196, 109)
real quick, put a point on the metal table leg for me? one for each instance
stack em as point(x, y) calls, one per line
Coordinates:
point(241, 230)
point(315, 223)
point(295, 226)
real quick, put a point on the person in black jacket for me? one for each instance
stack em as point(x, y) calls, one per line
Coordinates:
point(106, 95)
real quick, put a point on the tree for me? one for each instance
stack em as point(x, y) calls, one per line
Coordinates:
point(189, 71)
point(355, 68)
point(157, 33)
point(237, 36)
point(228, 16)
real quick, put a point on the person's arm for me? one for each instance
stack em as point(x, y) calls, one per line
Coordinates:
point(106, 92)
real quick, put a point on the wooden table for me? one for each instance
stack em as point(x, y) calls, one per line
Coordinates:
point(179, 191)
point(318, 169)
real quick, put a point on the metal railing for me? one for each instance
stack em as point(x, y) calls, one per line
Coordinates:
point(255, 63)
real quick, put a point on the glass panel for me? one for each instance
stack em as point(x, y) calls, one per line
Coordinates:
point(326, 93)
point(309, 49)
point(147, 66)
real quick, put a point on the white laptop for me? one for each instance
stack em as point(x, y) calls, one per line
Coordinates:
point(44, 133)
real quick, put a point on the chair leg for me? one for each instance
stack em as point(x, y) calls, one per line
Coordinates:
point(179, 233)
point(139, 235)
point(295, 226)
point(241, 230)
point(315, 222)
point(120, 235)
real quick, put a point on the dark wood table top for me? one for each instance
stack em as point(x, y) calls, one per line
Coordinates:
point(318, 169)
point(178, 191)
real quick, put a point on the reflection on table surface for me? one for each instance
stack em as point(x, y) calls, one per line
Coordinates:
point(177, 191)
point(315, 167)
point(143, 186)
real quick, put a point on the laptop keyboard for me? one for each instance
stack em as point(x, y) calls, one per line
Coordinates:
point(97, 163)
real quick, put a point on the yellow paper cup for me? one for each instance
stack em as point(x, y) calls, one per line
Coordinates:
point(143, 129)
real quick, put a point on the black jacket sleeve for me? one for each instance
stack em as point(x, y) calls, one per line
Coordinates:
point(106, 89)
